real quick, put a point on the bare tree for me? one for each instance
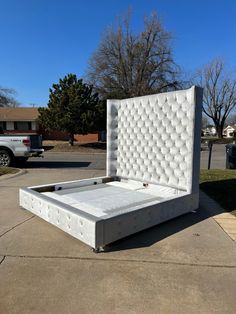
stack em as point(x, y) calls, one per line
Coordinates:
point(205, 121)
point(127, 64)
point(219, 97)
point(7, 97)
point(231, 120)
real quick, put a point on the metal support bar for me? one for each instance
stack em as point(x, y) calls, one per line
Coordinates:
point(210, 144)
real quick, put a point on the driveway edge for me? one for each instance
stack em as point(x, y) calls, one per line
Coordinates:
point(13, 175)
point(225, 220)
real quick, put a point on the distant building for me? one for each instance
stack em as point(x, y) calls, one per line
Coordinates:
point(19, 120)
point(229, 131)
point(25, 120)
point(210, 130)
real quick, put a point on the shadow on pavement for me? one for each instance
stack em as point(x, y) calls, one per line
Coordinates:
point(46, 148)
point(95, 145)
point(64, 147)
point(157, 233)
point(55, 164)
point(222, 191)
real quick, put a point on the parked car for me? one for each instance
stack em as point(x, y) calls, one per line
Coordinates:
point(19, 147)
point(204, 144)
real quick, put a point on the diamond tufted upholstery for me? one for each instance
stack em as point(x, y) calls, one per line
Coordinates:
point(152, 139)
point(155, 138)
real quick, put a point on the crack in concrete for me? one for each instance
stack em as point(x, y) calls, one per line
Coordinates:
point(120, 260)
point(3, 259)
point(19, 224)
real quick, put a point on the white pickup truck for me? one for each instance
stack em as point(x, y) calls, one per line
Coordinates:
point(19, 148)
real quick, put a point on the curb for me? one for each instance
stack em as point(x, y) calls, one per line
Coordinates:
point(13, 175)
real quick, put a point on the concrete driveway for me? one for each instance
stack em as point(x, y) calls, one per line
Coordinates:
point(187, 265)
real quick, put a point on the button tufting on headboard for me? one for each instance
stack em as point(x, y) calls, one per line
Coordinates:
point(151, 138)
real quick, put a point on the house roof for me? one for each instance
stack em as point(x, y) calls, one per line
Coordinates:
point(230, 127)
point(18, 114)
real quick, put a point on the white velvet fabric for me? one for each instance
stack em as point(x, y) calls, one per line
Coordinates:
point(153, 158)
point(150, 138)
point(112, 197)
point(100, 200)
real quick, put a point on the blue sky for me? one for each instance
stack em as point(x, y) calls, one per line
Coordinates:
point(42, 40)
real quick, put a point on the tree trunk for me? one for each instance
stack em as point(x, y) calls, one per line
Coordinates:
point(71, 139)
point(219, 131)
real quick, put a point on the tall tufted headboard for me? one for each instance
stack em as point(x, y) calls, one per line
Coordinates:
point(156, 138)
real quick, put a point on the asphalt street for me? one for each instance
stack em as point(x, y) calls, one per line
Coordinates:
point(54, 160)
point(218, 158)
point(69, 160)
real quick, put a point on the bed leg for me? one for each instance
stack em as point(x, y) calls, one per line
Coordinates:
point(98, 249)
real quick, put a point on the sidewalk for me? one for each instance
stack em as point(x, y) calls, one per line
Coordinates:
point(224, 219)
point(227, 223)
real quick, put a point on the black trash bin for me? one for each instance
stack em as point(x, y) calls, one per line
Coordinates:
point(231, 156)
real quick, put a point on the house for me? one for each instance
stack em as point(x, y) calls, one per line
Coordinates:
point(210, 130)
point(229, 131)
point(19, 120)
point(25, 120)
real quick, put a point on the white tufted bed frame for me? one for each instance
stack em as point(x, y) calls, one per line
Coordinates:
point(153, 157)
